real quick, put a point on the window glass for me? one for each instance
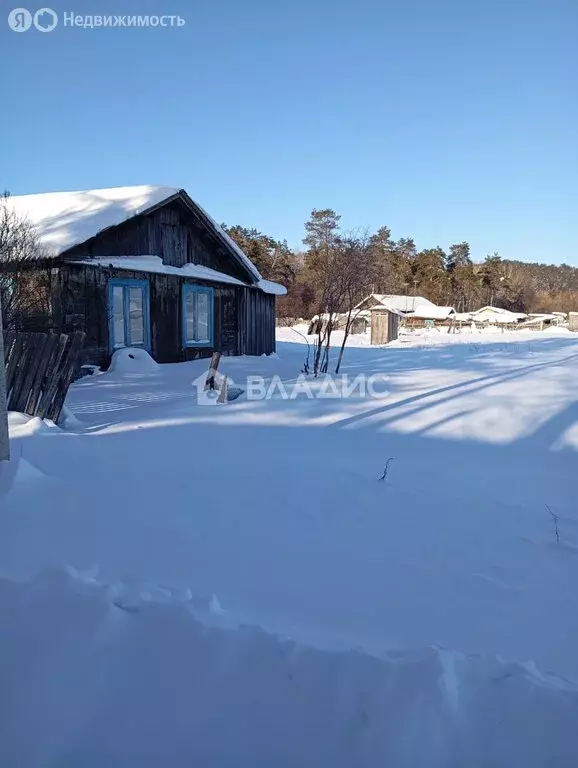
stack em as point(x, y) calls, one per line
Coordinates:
point(137, 329)
point(202, 330)
point(197, 320)
point(128, 311)
point(190, 315)
point(118, 315)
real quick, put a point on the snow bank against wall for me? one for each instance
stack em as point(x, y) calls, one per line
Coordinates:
point(92, 677)
point(132, 360)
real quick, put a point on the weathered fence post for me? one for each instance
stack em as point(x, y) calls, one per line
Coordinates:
point(210, 382)
point(4, 440)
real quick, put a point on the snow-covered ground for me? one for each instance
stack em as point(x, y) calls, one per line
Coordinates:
point(232, 585)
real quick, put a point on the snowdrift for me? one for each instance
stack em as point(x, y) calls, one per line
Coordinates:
point(130, 360)
point(92, 676)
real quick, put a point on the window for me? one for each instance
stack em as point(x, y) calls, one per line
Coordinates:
point(197, 316)
point(128, 308)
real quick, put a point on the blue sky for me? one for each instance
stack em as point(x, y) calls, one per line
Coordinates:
point(445, 120)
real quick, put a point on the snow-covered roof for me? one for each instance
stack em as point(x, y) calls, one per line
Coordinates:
point(433, 312)
point(497, 315)
point(383, 307)
point(66, 219)
point(537, 320)
point(325, 316)
point(401, 303)
point(155, 265)
point(268, 286)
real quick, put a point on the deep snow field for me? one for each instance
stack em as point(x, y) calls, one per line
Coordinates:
point(231, 585)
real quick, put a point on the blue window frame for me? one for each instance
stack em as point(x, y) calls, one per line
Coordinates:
point(128, 313)
point(197, 303)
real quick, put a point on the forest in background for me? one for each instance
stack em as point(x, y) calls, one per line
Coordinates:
point(335, 268)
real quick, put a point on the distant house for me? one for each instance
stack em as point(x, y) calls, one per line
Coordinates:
point(358, 322)
point(497, 316)
point(541, 320)
point(430, 314)
point(143, 267)
point(398, 303)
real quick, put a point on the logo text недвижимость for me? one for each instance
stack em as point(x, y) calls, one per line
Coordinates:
point(46, 20)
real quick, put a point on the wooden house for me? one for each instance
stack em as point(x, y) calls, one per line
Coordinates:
point(497, 316)
point(430, 315)
point(401, 304)
point(142, 267)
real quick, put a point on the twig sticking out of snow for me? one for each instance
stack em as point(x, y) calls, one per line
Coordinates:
point(387, 463)
point(305, 368)
point(555, 519)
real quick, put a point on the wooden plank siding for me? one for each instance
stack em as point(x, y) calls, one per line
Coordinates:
point(384, 326)
point(258, 322)
point(172, 232)
point(244, 318)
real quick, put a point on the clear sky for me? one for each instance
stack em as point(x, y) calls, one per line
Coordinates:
point(445, 120)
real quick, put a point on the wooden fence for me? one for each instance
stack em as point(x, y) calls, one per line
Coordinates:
point(39, 370)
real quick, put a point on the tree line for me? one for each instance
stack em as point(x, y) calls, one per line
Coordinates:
point(336, 268)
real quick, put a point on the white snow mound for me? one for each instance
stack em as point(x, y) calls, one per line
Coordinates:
point(92, 682)
point(132, 360)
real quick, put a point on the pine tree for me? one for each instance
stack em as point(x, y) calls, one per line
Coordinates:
point(382, 249)
point(458, 256)
point(430, 272)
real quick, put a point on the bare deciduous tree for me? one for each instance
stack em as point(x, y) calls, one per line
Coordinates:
point(356, 274)
point(322, 263)
point(18, 238)
point(23, 292)
point(342, 267)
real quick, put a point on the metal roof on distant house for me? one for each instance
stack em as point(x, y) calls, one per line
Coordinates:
point(433, 312)
point(400, 303)
point(497, 315)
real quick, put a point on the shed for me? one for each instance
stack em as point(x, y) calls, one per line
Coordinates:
point(358, 322)
point(384, 325)
point(142, 267)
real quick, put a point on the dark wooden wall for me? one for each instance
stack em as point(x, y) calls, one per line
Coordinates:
point(244, 318)
point(258, 322)
point(172, 232)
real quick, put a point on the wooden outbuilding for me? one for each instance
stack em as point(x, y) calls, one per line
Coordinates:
point(384, 325)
